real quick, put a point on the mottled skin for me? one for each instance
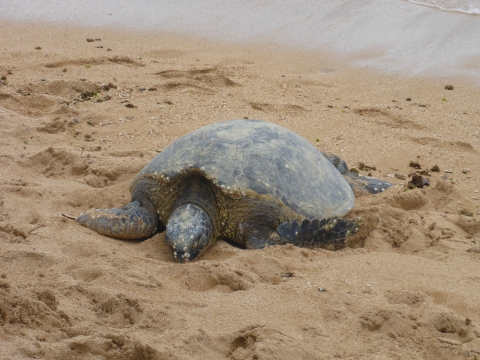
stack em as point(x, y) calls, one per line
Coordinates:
point(250, 182)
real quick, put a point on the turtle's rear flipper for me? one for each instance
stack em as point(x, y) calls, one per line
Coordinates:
point(360, 184)
point(328, 233)
point(131, 222)
point(364, 184)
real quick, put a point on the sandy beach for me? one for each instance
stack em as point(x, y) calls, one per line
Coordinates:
point(83, 110)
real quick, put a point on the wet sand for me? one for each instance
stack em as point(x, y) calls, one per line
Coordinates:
point(394, 36)
point(69, 144)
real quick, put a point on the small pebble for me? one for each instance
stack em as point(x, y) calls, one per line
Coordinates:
point(322, 289)
point(43, 79)
point(448, 171)
point(466, 170)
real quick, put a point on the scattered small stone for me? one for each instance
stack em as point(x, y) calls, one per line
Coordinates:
point(466, 212)
point(109, 86)
point(130, 106)
point(109, 49)
point(418, 181)
point(106, 123)
point(424, 172)
point(90, 122)
point(322, 289)
point(415, 165)
point(364, 167)
point(408, 99)
point(448, 171)
point(400, 176)
point(89, 137)
point(152, 89)
point(466, 170)
point(86, 95)
point(99, 47)
point(286, 274)
point(90, 40)
point(98, 39)
point(41, 274)
point(43, 79)
point(142, 89)
point(448, 87)
point(38, 48)
point(435, 168)
point(422, 105)
point(75, 120)
point(168, 102)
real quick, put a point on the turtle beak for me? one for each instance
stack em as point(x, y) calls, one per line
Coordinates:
point(183, 257)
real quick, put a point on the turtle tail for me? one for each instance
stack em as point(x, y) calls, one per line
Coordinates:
point(131, 222)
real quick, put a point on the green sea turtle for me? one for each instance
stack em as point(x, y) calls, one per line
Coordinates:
point(251, 182)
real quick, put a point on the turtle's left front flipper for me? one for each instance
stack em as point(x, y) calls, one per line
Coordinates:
point(328, 233)
point(133, 221)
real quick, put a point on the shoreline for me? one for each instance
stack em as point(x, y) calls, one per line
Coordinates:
point(395, 37)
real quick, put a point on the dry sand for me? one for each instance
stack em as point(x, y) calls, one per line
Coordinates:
point(409, 292)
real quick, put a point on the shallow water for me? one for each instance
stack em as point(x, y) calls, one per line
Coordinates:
point(465, 6)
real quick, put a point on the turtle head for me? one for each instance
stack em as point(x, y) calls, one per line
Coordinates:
point(189, 232)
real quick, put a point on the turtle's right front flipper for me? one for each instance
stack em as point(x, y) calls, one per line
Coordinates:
point(327, 233)
point(133, 221)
